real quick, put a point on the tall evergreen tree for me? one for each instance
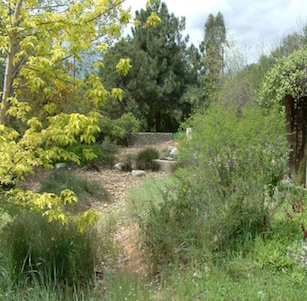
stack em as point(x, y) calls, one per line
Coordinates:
point(161, 71)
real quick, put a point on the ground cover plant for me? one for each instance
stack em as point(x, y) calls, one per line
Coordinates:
point(85, 190)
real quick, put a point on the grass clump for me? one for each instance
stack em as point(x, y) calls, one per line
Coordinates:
point(129, 162)
point(33, 246)
point(142, 198)
point(144, 159)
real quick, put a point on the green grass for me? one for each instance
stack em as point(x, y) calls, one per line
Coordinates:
point(32, 246)
point(144, 196)
point(237, 279)
point(259, 268)
point(127, 288)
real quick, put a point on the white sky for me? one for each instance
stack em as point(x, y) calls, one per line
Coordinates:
point(257, 25)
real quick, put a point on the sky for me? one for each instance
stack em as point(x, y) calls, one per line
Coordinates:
point(256, 27)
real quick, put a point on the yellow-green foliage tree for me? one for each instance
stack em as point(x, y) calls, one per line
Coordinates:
point(37, 37)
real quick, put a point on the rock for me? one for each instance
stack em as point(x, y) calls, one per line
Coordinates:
point(119, 166)
point(174, 153)
point(138, 173)
point(60, 165)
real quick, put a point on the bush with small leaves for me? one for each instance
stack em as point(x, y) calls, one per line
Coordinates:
point(232, 168)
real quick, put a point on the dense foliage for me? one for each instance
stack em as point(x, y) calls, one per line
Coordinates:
point(233, 167)
point(229, 225)
point(119, 130)
point(162, 69)
point(287, 78)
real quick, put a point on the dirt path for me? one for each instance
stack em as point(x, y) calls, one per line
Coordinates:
point(119, 184)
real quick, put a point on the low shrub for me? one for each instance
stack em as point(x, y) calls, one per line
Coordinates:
point(144, 159)
point(85, 190)
point(51, 250)
point(109, 150)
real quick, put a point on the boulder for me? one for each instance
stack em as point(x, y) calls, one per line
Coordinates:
point(119, 166)
point(60, 165)
point(138, 173)
point(174, 153)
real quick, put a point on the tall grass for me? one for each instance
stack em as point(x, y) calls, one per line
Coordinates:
point(33, 246)
point(143, 197)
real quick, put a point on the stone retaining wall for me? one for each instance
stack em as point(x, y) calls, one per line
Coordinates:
point(149, 138)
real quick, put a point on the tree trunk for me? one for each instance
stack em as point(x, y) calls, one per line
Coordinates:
point(290, 133)
point(158, 120)
point(8, 79)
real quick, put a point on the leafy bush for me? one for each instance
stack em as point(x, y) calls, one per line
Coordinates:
point(85, 190)
point(5, 218)
point(119, 130)
point(104, 154)
point(227, 189)
point(60, 252)
point(145, 159)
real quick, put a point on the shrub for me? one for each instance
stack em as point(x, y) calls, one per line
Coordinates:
point(54, 251)
point(227, 187)
point(119, 130)
point(145, 159)
point(104, 153)
point(85, 190)
point(109, 150)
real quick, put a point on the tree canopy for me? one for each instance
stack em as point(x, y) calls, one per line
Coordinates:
point(40, 38)
point(162, 69)
point(287, 78)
